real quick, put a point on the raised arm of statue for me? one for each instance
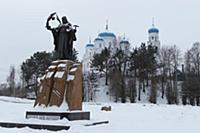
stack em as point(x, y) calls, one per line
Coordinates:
point(53, 18)
point(48, 26)
point(58, 19)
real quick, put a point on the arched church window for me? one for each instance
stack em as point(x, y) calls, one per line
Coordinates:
point(156, 38)
point(126, 47)
point(110, 44)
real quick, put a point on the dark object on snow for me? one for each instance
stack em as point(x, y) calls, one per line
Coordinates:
point(106, 108)
point(63, 35)
point(97, 123)
point(34, 126)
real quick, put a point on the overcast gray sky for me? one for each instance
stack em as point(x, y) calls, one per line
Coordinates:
point(23, 32)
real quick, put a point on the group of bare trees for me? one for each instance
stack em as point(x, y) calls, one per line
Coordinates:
point(191, 84)
point(156, 72)
point(12, 86)
point(25, 83)
point(128, 73)
point(170, 61)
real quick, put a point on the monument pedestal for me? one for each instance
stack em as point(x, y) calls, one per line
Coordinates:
point(62, 83)
point(71, 116)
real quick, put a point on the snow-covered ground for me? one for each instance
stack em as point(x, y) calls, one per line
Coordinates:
point(127, 118)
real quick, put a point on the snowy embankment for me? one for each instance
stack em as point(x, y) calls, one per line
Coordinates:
point(127, 118)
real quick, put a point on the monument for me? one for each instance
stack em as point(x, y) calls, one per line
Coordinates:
point(61, 86)
point(63, 35)
point(60, 89)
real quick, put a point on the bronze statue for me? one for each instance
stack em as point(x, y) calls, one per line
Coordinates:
point(64, 35)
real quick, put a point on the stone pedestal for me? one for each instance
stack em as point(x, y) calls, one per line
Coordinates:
point(61, 83)
point(71, 116)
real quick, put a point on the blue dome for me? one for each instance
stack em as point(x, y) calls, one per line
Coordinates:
point(107, 34)
point(124, 42)
point(89, 45)
point(153, 30)
point(98, 39)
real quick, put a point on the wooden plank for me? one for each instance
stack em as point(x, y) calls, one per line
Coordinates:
point(34, 126)
point(97, 123)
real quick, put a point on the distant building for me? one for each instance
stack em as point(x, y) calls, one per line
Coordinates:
point(89, 53)
point(3, 86)
point(109, 40)
point(104, 40)
point(154, 36)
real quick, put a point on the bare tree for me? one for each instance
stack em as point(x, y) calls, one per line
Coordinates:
point(101, 61)
point(115, 86)
point(163, 61)
point(132, 89)
point(191, 85)
point(119, 67)
point(11, 81)
point(176, 58)
point(169, 58)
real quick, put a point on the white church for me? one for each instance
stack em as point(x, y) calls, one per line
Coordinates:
point(108, 39)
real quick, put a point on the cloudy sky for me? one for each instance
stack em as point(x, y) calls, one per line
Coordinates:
point(23, 32)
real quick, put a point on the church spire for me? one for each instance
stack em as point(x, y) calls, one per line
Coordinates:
point(153, 23)
point(107, 24)
point(124, 37)
point(89, 40)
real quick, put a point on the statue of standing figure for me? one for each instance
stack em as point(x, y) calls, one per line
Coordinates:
point(64, 35)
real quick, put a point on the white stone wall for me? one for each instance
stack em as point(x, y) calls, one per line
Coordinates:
point(125, 47)
point(89, 53)
point(154, 39)
point(110, 43)
point(98, 46)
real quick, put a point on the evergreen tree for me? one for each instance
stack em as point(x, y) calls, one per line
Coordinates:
point(134, 67)
point(119, 66)
point(35, 67)
point(132, 90)
point(115, 84)
point(75, 55)
point(101, 62)
point(143, 66)
point(153, 93)
point(151, 67)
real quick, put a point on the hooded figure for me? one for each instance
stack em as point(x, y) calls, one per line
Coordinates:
point(63, 35)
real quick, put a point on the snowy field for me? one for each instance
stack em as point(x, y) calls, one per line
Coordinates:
point(124, 118)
